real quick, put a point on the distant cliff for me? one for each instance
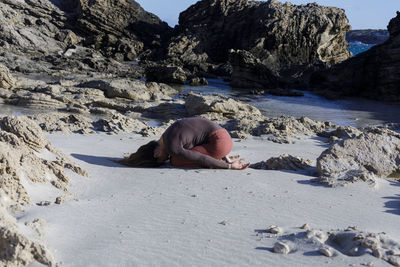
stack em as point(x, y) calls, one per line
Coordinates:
point(373, 74)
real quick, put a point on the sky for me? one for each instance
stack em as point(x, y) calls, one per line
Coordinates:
point(362, 14)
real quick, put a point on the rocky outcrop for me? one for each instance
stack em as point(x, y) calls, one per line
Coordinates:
point(196, 104)
point(21, 162)
point(122, 29)
point(165, 74)
point(374, 153)
point(280, 35)
point(279, 130)
point(373, 74)
point(284, 162)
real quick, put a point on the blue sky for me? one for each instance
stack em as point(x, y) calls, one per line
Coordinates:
point(363, 14)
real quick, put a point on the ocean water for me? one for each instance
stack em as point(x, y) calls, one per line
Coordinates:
point(359, 47)
point(355, 112)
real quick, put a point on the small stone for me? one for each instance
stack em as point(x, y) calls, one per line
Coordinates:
point(273, 229)
point(378, 253)
point(306, 227)
point(44, 203)
point(369, 242)
point(225, 223)
point(326, 251)
point(281, 248)
point(394, 260)
point(195, 195)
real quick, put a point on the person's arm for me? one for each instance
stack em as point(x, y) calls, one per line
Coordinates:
point(203, 160)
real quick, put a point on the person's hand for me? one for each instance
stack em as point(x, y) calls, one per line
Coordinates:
point(231, 159)
point(239, 165)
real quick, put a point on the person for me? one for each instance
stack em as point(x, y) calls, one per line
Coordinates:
point(191, 143)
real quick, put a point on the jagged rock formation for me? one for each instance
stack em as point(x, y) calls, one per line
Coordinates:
point(122, 29)
point(373, 153)
point(373, 74)
point(284, 162)
point(281, 36)
point(21, 141)
point(79, 36)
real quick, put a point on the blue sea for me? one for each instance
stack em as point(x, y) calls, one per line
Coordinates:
point(359, 47)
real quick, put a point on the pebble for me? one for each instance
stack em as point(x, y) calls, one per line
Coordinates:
point(305, 226)
point(369, 242)
point(273, 229)
point(44, 203)
point(281, 248)
point(225, 223)
point(377, 253)
point(326, 251)
point(394, 260)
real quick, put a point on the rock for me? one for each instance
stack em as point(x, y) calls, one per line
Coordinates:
point(210, 28)
point(273, 229)
point(6, 80)
point(196, 104)
point(166, 74)
point(342, 132)
point(372, 154)
point(279, 130)
point(281, 248)
point(16, 249)
point(326, 252)
point(119, 123)
point(284, 162)
point(305, 226)
point(25, 129)
point(121, 27)
point(65, 123)
point(373, 74)
point(198, 81)
point(249, 72)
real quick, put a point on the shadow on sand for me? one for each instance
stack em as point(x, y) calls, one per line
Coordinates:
point(393, 205)
point(100, 161)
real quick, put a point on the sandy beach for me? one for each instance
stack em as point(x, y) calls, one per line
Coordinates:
point(121, 216)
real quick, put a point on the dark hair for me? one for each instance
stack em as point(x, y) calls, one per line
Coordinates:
point(143, 157)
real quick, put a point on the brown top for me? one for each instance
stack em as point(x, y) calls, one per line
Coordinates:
point(185, 134)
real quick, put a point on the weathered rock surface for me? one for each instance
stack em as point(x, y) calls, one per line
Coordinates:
point(196, 104)
point(284, 162)
point(6, 80)
point(271, 31)
point(20, 141)
point(374, 153)
point(279, 130)
point(15, 248)
point(122, 29)
point(373, 74)
point(350, 242)
point(166, 74)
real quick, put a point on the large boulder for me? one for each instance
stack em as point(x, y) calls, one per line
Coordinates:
point(196, 104)
point(120, 27)
point(279, 35)
point(374, 153)
point(373, 74)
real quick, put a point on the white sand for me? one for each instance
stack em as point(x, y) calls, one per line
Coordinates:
point(172, 217)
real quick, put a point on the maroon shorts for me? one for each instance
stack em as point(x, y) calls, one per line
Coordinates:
point(219, 144)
